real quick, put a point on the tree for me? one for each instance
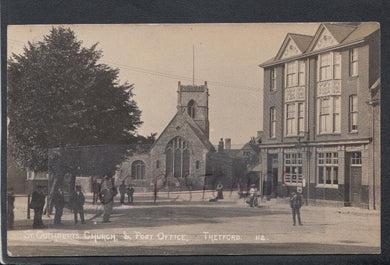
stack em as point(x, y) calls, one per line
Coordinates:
point(60, 96)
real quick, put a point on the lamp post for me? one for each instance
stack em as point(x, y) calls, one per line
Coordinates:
point(305, 181)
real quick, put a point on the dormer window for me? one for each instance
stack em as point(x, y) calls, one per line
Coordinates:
point(191, 109)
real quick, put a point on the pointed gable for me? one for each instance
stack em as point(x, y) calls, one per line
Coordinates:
point(182, 121)
point(288, 49)
point(330, 34)
point(324, 39)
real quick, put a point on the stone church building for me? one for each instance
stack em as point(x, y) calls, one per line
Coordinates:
point(182, 153)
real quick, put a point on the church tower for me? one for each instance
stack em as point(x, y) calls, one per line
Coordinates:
point(195, 101)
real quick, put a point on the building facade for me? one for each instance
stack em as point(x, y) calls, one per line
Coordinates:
point(321, 116)
point(182, 157)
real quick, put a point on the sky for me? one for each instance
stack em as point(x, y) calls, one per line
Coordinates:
point(154, 57)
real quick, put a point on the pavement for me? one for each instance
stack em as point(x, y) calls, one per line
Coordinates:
point(185, 223)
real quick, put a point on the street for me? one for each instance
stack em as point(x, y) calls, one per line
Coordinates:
point(189, 225)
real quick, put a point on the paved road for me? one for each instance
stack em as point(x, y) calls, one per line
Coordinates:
point(326, 230)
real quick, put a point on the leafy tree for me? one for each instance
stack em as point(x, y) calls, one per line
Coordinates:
point(60, 96)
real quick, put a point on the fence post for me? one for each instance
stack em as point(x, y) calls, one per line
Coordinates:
point(28, 206)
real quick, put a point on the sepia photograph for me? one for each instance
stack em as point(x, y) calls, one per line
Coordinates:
point(193, 139)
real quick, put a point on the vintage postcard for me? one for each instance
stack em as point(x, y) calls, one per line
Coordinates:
point(193, 139)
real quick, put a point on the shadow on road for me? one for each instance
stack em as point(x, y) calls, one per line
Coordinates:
point(160, 214)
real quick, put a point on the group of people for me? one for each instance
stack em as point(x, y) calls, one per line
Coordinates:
point(38, 199)
point(105, 192)
point(126, 189)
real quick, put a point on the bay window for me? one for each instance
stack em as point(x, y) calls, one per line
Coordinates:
point(337, 65)
point(329, 66)
point(301, 115)
point(291, 75)
point(329, 114)
point(301, 73)
point(324, 115)
point(290, 119)
point(325, 70)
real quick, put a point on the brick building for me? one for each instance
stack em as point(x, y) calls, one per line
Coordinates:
point(322, 116)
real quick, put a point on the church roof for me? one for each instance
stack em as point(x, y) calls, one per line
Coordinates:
point(195, 128)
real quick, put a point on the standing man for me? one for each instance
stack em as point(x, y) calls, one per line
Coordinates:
point(130, 193)
point(122, 191)
point(37, 203)
point(220, 191)
point(296, 203)
point(95, 190)
point(107, 194)
point(78, 204)
point(58, 202)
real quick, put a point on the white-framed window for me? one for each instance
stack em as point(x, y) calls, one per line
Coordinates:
point(325, 67)
point(292, 169)
point(356, 158)
point(290, 119)
point(353, 62)
point(294, 119)
point(329, 115)
point(301, 73)
point(336, 114)
point(301, 118)
point(324, 115)
point(353, 113)
point(272, 114)
point(272, 79)
point(291, 74)
point(328, 169)
point(337, 65)
point(329, 66)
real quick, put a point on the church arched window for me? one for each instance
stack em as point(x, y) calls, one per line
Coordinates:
point(191, 108)
point(138, 169)
point(177, 158)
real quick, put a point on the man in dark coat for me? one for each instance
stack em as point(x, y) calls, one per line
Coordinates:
point(130, 193)
point(58, 202)
point(122, 191)
point(296, 203)
point(78, 204)
point(95, 190)
point(37, 203)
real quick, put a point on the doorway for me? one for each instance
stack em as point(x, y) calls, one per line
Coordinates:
point(353, 179)
point(272, 176)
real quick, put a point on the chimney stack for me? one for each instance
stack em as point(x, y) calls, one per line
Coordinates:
point(220, 146)
point(228, 143)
